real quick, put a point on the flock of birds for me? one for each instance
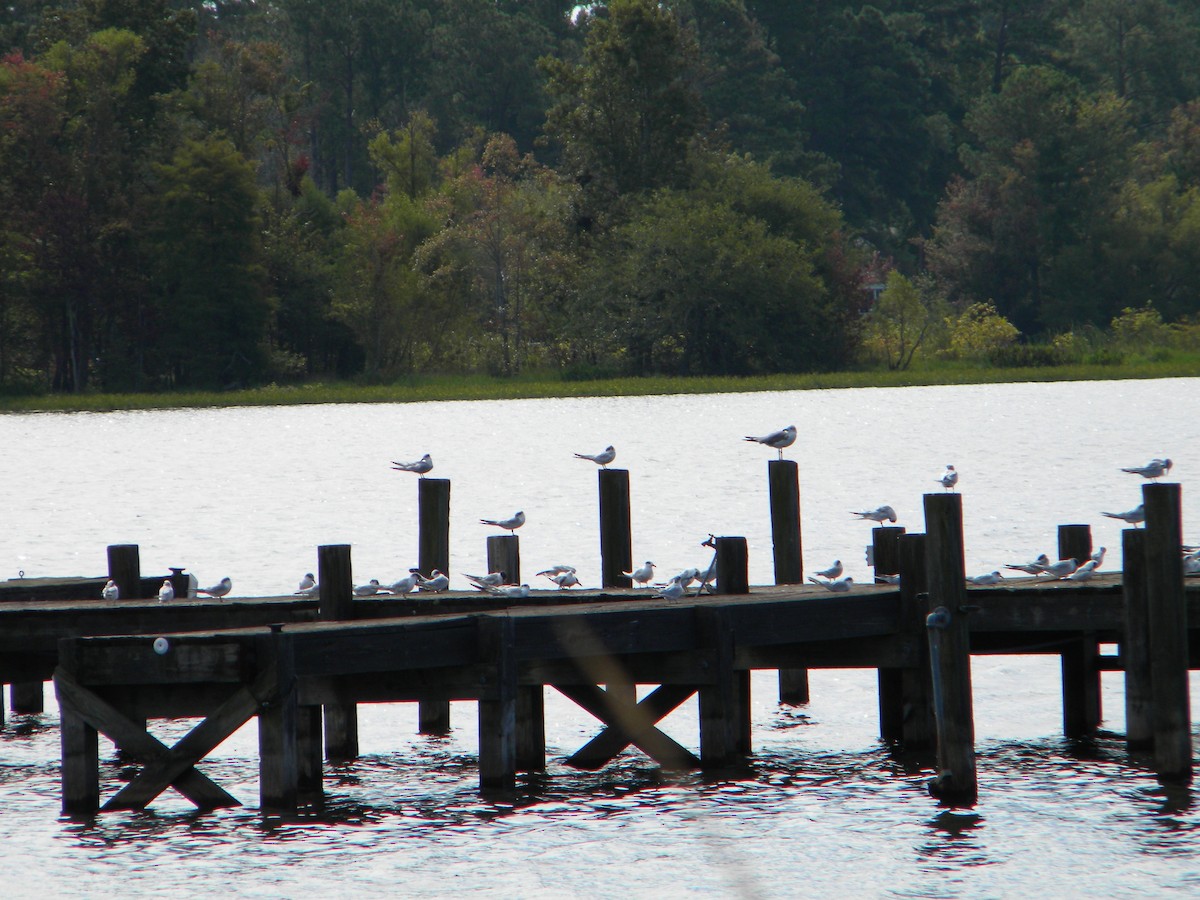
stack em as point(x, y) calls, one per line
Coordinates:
point(565, 576)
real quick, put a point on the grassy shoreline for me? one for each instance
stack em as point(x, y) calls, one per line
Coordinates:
point(549, 385)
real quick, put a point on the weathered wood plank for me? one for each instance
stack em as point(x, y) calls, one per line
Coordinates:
point(630, 723)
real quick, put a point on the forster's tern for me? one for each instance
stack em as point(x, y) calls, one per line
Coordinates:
point(370, 589)
point(422, 466)
point(1191, 565)
point(220, 589)
point(838, 585)
point(777, 439)
point(1083, 573)
point(1061, 569)
point(879, 514)
point(1031, 568)
point(313, 591)
point(1098, 556)
point(687, 576)
point(1132, 516)
point(166, 593)
point(435, 583)
point(988, 578)
point(565, 580)
point(512, 524)
point(556, 570)
point(887, 579)
point(672, 590)
point(490, 580)
point(949, 478)
point(603, 458)
point(306, 582)
point(643, 574)
point(111, 591)
point(407, 584)
point(1156, 468)
point(833, 571)
point(514, 591)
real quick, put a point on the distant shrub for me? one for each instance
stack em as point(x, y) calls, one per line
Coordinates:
point(1137, 329)
point(980, 331)
point(1021, 356)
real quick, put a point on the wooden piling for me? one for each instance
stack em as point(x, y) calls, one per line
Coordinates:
point(80, 742)
point(1135, 643)
point(1081, 690)
point(433, 525)
point(724, 706)
point(278, 726)
point(531, 728)
point(497, 704)
point(336, 582)
point(949, 650)
point(125, 568)
point(918, 728)
point(504, 555)
point(1168, 632)
point(885, 554)
point(1075, 542)
point(783, 476)
point(733, 566)
point(885, 550)
point(309, 750)
point(616, 536)
point(26, 697)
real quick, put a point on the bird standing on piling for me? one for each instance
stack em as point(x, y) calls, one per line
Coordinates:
point(879, 514)
point(111, 591)
point(672, 590)
point(949, 478)
point(1154, 469)
point(1098, 556)
point(422, 466)
point(1060, 569)
point(1132, 516)
point(166, 593)
point(510, 525)
point(777, 439)
point(220, 589)
point(602, 459)
point(642, 574)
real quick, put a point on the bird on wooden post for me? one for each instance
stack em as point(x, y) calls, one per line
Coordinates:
point(1132, 516)
point(1155, 469)
point(602, 459)
point(833, 571)
point(166, 593)
point(879, 514)
point(949, 478)
point(422, 466)
point(785, 437)
point(642, 574)
point(111, 591)
point(837, 585)
point(510, 525)
point(220, 589)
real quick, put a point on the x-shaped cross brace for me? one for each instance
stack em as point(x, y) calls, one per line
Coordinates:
point(630, 722)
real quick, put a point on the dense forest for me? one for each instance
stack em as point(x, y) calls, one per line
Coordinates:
point(238, 192)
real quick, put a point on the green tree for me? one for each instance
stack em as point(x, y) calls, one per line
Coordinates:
point(979, 330)
point(902, 320)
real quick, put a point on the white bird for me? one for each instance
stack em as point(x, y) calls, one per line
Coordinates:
point(672, 590)
point(512, 524)
point(777, 439)
point(166, 593)
point(603, 458)
point(687, 576)
point(1083, 573)
point(435, 583)
point(1191, 565)
point(838, 585)
point(306, 582)
point(556, 570)
point(565, 580)
point(1035, 567)
point(422, 466)
point(111, 591)
point(407, 584)
point(988, 578)
point(490, 580)
point(887, 579)
point(1155, 469)
point(1098, 556)
point(220, 589)
point(833, 571)
point(949, 478)
point(1060, 569)
point(878, 514)
point(314, 590)
point(1132, 516)
point(369, 589)
point(642, 574)
point(515, 591)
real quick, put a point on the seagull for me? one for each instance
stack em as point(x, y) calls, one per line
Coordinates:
point(949, 478)
point(1031, 568)
point(407, 584)
point(369, 589)
point(306, 582)
point(166, 593)
point(435, 583)
point(602, 459)
point(1098, 556)
point(641, 575)
point(833, 571)
point(515, 591)
point(512, 524)
point(878, 515)
point(313, 590)
point(687, 576)
point(1155, 469)
point(887, 579)
point(111, 591)
point(422, 466)
point(839, 585)
point(220, 589)
point(672, 590)
point(989, 578)
point(1061, 569)
point(777, 439)
point(1083, 573)
point(490, 580)
point(565, 580)
point(556, 570)
point(1132, 516)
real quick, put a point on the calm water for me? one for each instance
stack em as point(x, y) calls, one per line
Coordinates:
point(826, 811)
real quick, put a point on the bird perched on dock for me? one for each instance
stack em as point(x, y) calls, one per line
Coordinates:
point(556, 570)
point(306, 582)
point(407, 584)
point(565, 580)
point(1083, 573)
point(510, 525)
point(512, 591)
point(672, 590)
point(688, 576)
point(833, 571)
point(887, 579)
point(1098, 556)
point(1154, 469)
point(490, 580)
point(949, 478)
point(111, 591)
point(1036, 567)
point(422, 466)
point(370, 589)
point(602, 459)
point(1191, 565)
point(220, 589)
point(313, 590)
point(1132, 516)
point(642, 574)
point(879, 514)
point(435, 583)
point(777, 439)
point(987, 578)
point(837, 585)
point(166, 593)
point(1060, 569)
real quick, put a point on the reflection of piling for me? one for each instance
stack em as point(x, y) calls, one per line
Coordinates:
point(783, 476)
point(1135, 643)
point(433, 552)
point(504, 555)
point(1081, 656)
point(337, 593)
point(616, 541)
point(1168, 632)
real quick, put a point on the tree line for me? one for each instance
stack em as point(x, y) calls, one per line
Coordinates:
point(236, 192)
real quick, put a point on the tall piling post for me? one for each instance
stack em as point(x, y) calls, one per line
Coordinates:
point(1135, 643)
point(80, 743)
point(278, 728)
point(504, 555)
point(497, 704)
point(724, 702)
point(1168, 632)
point(918, 728)
point(336, 582)
point(733, 566)
point(783, 479)
point(616, 536)
point(1081, 689)
point(950, 650)
point(433, 552)
point(885, 552)
point(125, 568)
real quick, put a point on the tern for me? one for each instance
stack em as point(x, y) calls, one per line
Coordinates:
point(833, 571)
point(556, 570)
point(511, 525)
point(1098, 556)
point(641, 575)
point(687, 576)
point(515, 591)
point(1083, 573)
point(672, 590)
point(602, 459)
point(838, 585)
point(949, 478)
point(490, 580)
point(989, 578)
point(306, 582)
point(422, 466)
point(111, 591)
point(369, 589)
point(878, 515)
point(1031, 568)
point(1154, 469)
point(1132, 516)
point(407, 584)
point(565, 580)
point(166, 593)
point(777, 439)
point(435, 583)
point(220, 589)
point(887, 579)
point(1191, 565)
point(313, 591)
point(1061, 569)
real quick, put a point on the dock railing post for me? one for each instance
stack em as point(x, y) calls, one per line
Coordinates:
point(918, 729)
point(336, 582)
point(950, 650)
point(783, 478)
point(504, 555)
point(433, 545)
point(885, 551)
point(1135, 643)
point(125, 568)
point(1080, 659)
point(616, 539)
point(1168, 632)
point(733, 566)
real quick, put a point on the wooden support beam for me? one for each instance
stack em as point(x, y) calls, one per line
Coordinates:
point(309, 749)
point(724, 711)
point(733, 566)
point(630, 723)
point(26, 697)
point(783, 476)
point(336, 579)
point(885, 555)
point(433, 716)
point(949, 650)
point(433, 524)
point(504, 555)
point(1168, 632)
point(497, 704)
point(616, 536)
point(1081, 687)
point(278, 729)
point(80, 762)
point(1075, 542)
point(793, 686)
point(919, 730)
point(531, 728)
point(125, 568)
point(1135, 643)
